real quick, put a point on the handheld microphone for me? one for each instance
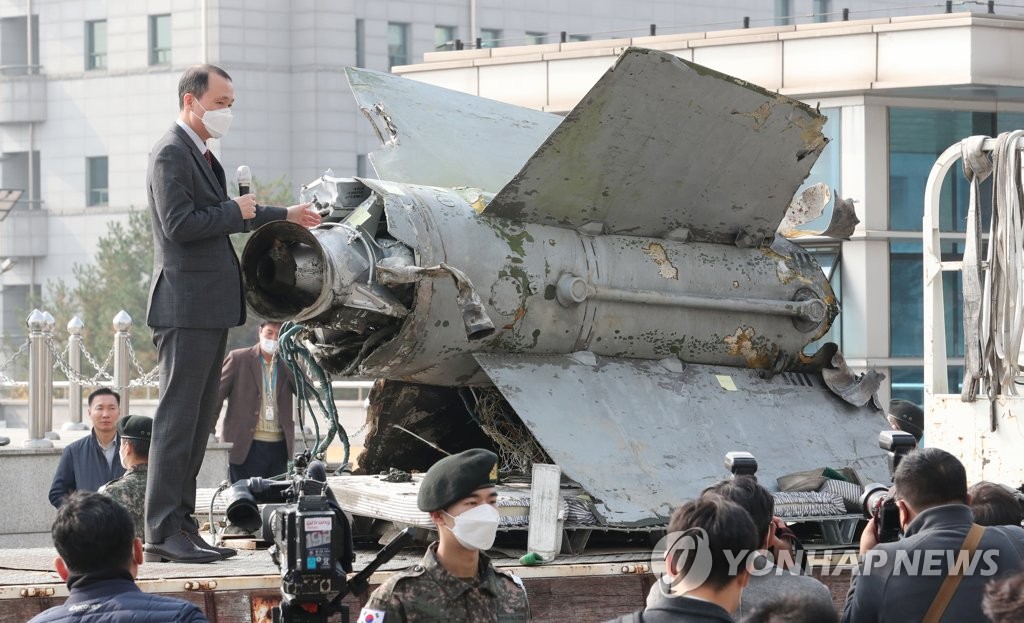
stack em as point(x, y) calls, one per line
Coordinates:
point(244, 177)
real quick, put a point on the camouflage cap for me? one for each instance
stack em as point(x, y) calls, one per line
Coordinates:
point(455, 477)
point(135, 427)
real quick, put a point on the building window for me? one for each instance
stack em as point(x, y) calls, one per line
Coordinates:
point(821, 9)
point(360, 43)
point(398, 44)
point(783, 12)
point(490, 37)
point(536, 38)
point(96, 180)
point(159, 39)
point(362, 165)
point(579, 38)
point(19, 174)
point(96, 44)
point(444, 37)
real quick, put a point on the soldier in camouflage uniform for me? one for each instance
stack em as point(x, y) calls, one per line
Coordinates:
point(130, 489)
point(455, 582)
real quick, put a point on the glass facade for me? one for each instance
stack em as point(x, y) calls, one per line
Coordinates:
point(916, 139)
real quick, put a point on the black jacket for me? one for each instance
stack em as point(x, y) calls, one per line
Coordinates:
point(116, 599)
point(898, 581)
point(679, 610)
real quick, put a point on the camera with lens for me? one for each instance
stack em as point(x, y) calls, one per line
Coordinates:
point(312, 540)
point(877, 501)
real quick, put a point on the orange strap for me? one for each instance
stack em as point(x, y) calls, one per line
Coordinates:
point(952, 581)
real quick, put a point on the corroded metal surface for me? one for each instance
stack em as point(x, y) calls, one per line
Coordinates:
point(661, 145)
point(642, 436)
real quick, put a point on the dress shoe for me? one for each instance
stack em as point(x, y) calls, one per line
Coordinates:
point(201, 543)
point(178, 548)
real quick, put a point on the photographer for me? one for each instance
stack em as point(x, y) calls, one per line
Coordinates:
point(906, 579)
point(455, 581)
point(994, 505)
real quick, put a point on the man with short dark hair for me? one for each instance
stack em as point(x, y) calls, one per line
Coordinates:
point(455, 581)
point(99, 558)
point(130, 489)
point(901, 581)
point(88, 463)
point(767, 581)
point(194, 298)
point(258, 421)
point(793, 608)
point(994, 505)
point(708, 543)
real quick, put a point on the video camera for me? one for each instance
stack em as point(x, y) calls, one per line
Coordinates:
point(312, 541)
point(877, 500)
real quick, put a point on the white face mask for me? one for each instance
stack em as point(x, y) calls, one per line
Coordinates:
point(217, 122)
point(121, 454)
point(268, 346)
point(477, 527)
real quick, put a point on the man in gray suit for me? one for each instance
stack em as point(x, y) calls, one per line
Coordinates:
point(194, 298)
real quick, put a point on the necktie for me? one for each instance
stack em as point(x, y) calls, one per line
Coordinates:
point(209, 157)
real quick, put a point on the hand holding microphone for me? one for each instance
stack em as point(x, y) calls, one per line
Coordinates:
point(246, 201)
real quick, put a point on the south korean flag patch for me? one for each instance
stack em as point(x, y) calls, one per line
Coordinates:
point(366, 615)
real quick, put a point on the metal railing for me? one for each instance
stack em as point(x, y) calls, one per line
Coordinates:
point(44, 355)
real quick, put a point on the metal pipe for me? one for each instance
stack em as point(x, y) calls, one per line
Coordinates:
point(812, 309)
point(122, 357)
point(75, 327)
point(37, 345)
point(47, 370)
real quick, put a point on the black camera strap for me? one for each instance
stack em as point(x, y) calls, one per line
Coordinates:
point(952, 581)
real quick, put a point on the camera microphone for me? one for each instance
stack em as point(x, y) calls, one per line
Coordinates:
point(244, 177)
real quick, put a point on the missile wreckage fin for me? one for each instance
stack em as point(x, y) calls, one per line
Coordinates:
point(642, 436)
point(438, 137)
point(666, 148)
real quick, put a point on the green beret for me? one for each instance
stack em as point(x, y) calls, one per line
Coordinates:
point(135, 427)
point(456, 477)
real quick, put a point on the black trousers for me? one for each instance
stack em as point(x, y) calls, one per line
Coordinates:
point(190, 364)
point(265, 459)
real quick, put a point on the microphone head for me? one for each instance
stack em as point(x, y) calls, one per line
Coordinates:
point(243, 176)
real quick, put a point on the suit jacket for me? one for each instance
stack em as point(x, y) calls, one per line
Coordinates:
point(196, 280)
point(240, 380)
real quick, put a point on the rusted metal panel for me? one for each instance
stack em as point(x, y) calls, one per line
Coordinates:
point(642, 436)
point(662, 145)
point(431, 135)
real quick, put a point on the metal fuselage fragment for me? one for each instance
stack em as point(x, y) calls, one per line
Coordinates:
point(551, 290)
